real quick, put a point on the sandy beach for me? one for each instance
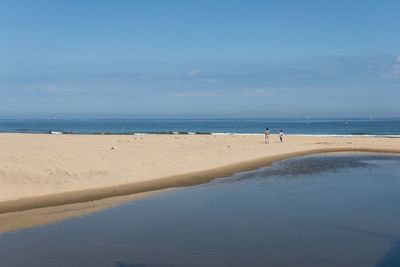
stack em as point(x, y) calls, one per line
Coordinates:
point(38, 170)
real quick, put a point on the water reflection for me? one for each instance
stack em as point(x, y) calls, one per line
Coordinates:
point(339, 210)
point(16, 221)
point(312, 165)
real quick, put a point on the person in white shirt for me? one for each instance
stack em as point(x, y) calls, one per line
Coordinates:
point(266, 135)
point(281, 134)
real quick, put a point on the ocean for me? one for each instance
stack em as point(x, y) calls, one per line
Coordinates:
point(305, 126)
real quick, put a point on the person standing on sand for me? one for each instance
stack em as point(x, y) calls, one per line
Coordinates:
point(266, 135)
point(281, 134)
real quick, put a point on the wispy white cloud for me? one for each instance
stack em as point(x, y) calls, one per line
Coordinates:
point(76, 89)
point(250, 92)
point(392, 68)
point(49, 88)
point(209, 80)
point(194, 72)
point(194, 94)
point(396, 66)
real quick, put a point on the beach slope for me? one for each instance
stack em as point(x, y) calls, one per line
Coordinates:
point(38, 170)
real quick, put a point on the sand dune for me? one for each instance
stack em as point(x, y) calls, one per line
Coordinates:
point(38, 170)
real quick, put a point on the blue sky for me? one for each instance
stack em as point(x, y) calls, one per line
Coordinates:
point(200, 58)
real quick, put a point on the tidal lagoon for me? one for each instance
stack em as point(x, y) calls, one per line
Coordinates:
point(337, 209)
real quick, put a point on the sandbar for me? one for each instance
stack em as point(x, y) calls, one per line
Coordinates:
point(41, 170)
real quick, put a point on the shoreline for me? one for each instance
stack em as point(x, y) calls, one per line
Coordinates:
point(42, 170)
point(176, 181)
point(16, 221)
point(184, 133)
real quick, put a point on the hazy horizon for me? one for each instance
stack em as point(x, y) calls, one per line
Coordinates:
point(161, 116)
point(200, 58)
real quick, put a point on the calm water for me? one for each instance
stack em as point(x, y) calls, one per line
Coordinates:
point(332, 210)
point(292, 126)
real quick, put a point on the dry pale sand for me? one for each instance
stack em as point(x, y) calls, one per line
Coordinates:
point(39, 171)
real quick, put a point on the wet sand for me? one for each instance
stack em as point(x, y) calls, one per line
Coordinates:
point(15, 221)
point(38, 170)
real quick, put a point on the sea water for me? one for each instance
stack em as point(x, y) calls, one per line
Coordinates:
point(355, 126)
